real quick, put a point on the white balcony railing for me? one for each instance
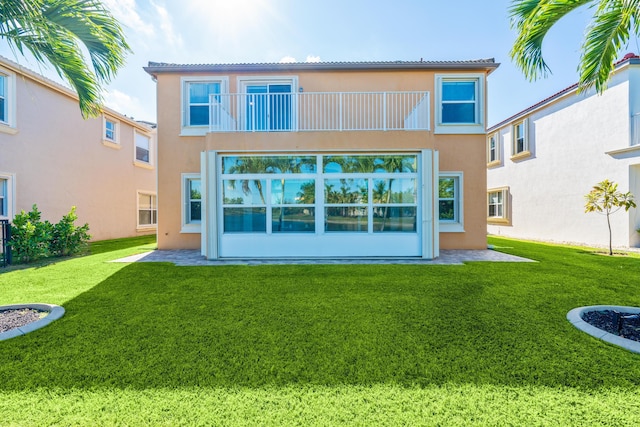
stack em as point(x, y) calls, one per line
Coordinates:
point(319, 111)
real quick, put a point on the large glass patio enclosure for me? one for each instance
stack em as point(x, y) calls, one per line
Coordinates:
point(319, 205)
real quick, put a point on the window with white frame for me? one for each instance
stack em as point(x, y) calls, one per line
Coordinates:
point(7, 102)
point(493, 150)
point(4, 210)
point(450, 201)
point(196, 98)
point(497, 199)
point(520, 139)
point(147, 210)
point(143, 148)
point(192, 203)
point(111, 130)
point(268, 103)
point(7, 187)
point(460, 101)
point(3, 99)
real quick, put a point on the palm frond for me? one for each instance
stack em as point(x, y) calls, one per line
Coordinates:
point(604, 38)
point(55, 32)
point(532, 19)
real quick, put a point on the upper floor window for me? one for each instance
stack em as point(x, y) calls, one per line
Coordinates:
point(450, 202)
point(520, 139)
point(110, 130)
point(268, 103)
point(143, 148)
point(196, 98)
point(3, 99)
point(493, 150)
point(460, 101)
point(147, 210)
point(7, 102)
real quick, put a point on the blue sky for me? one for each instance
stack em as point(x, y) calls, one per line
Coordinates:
point(230, 31)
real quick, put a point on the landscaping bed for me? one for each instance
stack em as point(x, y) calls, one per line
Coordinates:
point(625, 325)
point(15, 318)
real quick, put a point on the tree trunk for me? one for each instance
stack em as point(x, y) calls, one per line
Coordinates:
point(609, 225)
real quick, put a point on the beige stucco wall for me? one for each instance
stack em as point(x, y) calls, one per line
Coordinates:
point(59, 160)
point(181, 154)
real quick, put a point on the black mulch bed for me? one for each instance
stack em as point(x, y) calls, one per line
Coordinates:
point(15, 318)
point(625, 325)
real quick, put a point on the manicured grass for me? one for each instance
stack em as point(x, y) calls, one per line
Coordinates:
point(479, 344)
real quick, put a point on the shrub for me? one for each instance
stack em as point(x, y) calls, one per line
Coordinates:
point(30, 236)
point(67, 238)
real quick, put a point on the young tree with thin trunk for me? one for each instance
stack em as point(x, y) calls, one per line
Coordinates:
point(605, 198)
point(59, 32)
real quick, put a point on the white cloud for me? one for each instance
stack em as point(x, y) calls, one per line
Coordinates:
point(126, 105)
point(311, 58)
point(125, 12)
point(287, 59)
point(166, 25)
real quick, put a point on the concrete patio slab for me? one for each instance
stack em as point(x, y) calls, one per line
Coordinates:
point(184, 257)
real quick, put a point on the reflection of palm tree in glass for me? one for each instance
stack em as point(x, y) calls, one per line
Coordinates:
point(288, 165)
point(393, 164)
point(246, 165)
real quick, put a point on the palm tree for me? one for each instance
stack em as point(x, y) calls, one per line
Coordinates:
point(58, 32)
point(607, 33)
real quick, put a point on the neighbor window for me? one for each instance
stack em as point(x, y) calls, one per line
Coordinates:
point(520, 139)
point(110, 130)
point(3, 99)
point(449, 201)
point(7, 182)
point(493, 150)
point(3, 198)
point(7, 102)
point(143, 148)
point(147, 210)
point(498, 204)
point(460, 103)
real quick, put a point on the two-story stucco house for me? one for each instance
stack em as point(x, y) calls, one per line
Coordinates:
point(50, 156)
point(545, 159)
point(363, 159)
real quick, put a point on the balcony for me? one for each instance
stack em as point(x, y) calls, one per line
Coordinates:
point(319, 111)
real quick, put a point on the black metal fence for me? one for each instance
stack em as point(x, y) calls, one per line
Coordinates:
point(5, 236)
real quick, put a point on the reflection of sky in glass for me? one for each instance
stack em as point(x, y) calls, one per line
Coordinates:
point(268, 164)
point(370, 164)
point(294, 191)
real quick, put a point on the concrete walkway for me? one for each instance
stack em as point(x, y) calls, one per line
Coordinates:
point(184, 257)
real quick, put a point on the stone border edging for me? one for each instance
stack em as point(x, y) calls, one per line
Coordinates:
point(55, 312)
point(575, 317)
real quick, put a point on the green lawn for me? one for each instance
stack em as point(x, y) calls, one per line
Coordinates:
point(479, 344)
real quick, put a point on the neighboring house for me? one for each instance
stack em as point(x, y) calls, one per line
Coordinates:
point(322, 159)
point(51, 157)
point(545, 159)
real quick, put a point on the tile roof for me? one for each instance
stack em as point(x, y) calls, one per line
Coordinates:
point(162, 67)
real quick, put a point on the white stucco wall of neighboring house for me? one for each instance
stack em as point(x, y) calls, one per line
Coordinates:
point(576, 142)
